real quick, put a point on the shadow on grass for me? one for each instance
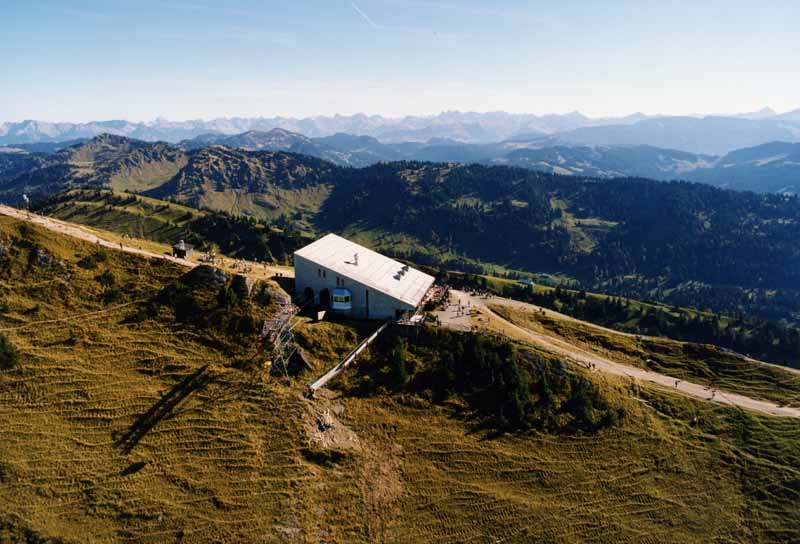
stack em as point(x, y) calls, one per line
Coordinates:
point(287, 284)
point(163, 408)
point(134, 468)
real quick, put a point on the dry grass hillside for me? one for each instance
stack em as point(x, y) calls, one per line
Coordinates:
point(104, 161)
point(258, 184)
point(139, 412)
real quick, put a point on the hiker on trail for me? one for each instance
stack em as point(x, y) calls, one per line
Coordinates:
point(676, 383)
point(713, 393)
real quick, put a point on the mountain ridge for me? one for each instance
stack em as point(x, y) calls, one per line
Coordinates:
point(469, 127)
point(106, 160)
point(765, 170)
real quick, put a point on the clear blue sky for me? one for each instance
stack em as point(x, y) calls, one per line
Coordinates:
point(80, 60)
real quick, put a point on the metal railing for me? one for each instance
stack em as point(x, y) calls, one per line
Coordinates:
point(348, 359)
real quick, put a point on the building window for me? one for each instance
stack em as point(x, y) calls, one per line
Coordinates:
point(323, 274)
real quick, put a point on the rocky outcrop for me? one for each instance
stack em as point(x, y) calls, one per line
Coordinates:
point(206, 275)
point(243, 285)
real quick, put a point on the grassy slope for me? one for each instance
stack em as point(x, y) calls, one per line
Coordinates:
point(299, 204)
point(730, 477)
point(149, 218)
point(85, 382)
point(655, 480)
point(237, 460)
point(124, 164)
point(156, 221)
point(145, 176)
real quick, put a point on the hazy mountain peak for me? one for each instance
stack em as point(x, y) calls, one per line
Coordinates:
point(716, 134)
point(764, 113)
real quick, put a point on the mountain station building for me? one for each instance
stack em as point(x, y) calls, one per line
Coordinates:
point(346, 277)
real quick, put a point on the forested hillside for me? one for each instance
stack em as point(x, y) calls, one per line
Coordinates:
point(684, 243)
point(620, 234)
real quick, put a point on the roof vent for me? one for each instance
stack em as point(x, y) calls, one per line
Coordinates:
point(355, 259)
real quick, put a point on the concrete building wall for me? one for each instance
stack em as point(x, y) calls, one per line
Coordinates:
point(308, 274)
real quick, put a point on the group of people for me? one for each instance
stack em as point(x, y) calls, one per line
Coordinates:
point(462, 310)
point(244, 266)
point(712, 389)
point(210, 258)
point(483, 294)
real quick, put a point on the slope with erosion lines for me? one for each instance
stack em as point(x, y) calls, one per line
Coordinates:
point(120, 430)
point(115, 429)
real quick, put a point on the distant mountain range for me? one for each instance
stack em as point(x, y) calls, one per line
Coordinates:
point(713, 135)
point(767, 168)
point(465, 127)
point(610, 161)
point(342, 149)
point(138, 165)
point(703, 135)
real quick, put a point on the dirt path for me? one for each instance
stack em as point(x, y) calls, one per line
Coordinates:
point(87, 315)
point(259, 270)
point(557, 315)
point(460, 320)
point(84, 233)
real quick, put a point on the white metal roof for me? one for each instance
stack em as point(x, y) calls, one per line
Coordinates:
point(373, 269)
